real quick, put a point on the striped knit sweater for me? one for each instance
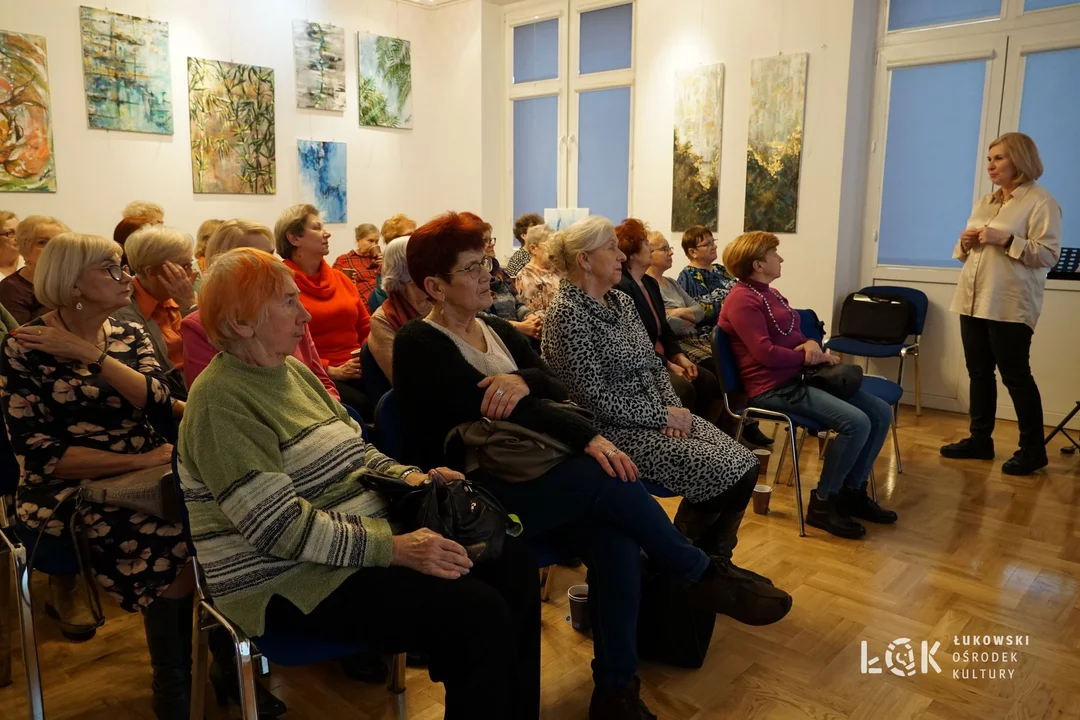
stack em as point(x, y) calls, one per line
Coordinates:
point(268, 465)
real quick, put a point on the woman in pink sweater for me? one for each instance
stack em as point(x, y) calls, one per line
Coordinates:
point(771, 354)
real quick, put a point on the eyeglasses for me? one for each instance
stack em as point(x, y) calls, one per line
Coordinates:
point(665, 249)
point(116, 272)
point(703, 246)
point(490, 241)
point(7, 233)
point(473, 269)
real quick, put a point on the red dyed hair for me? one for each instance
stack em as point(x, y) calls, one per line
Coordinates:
point(237, 288)
point(125, 229)
point(632, 234)
point(434, 247)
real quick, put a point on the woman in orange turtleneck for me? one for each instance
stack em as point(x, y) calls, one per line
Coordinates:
point(339, 319)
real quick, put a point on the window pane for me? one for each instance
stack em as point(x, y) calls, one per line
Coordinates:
point(536, 51)
point(905, 14)
point(536, 154)
point(605, 39)
point(931, 151)
point(1048, 112)
point(604, 152)
point(1030, 5)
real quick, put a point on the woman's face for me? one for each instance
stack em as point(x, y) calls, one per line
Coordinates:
point(315, 241)
point(368, 245)
point(642, 258)
point(705, 250)
point(489, 244)
point(7, 234)
point(605, 263)
point(769, 268)
point(284, 324)
point(538, 253)
point(1000, 166)
point(44, 234)
point(105, 285)
point(467, 287)
point(660, 254)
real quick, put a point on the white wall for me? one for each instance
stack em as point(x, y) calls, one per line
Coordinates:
point(420, 172)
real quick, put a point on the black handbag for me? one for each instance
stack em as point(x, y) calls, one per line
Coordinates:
point(843, 380)
point(671, 629)
point(461, 511)
point(877, 318)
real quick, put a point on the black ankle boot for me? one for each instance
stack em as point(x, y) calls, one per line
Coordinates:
point(753, 435)
point(969, 449)
point(717, 539)
point(857, 504)
point(1025, 463)
point(168, 626)
point(721, 590)
point(825, 515)
point(619, 703)
point(227, 685)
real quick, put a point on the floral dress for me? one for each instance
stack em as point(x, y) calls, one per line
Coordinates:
point(536, 287)
point(52, 404)
point(708, 287)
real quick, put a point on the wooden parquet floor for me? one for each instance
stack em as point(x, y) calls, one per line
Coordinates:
point(975, 553)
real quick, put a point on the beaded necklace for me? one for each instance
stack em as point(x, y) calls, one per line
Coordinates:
point(769, 309)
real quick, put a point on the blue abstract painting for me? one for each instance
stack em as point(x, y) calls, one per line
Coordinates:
point(322, 178)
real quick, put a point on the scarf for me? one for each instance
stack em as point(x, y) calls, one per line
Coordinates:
point(398, 310)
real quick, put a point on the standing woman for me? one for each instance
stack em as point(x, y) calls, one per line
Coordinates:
point(1012, 238)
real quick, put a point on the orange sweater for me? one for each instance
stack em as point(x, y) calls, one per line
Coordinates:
point(339, 320)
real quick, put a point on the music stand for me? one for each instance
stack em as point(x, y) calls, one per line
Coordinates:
point(1061, 429)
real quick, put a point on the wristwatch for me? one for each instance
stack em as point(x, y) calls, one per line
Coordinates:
point(95, 367)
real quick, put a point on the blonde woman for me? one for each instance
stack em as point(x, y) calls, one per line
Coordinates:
point(537, 281)
point(152, 212)
point(202, 236)
point(1012, 239)
point(17, 289)
point(9, 246)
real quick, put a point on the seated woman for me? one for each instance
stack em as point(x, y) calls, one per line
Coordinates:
point(17, 289)
point(771, 353)
point(467, 367)
point(404, 302)
point(537, 281)
point(10, 259)
point(505, 302)
point(596, 344)
point(82, 394)
point(289, 539)
point(163, 294)
point(703, 279)
point(202, 237)
point(198, 351)
point(339, 319)
point(396, 226)
point(521, 256)
point(364, 263)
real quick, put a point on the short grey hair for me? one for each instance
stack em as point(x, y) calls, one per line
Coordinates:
point(230, 235)
point(154, 245)
point(537, 235)
point(63, 262)
point(26, 231)
point(395, 271)
point(142, 208)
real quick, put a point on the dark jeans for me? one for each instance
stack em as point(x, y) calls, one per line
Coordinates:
point(698, 396)
point(578, 508)
point(1007, 345)
point(481, 632)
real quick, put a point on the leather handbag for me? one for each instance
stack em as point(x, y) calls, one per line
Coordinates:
point(151, 491)
point(511, 452)
point(842, 380)
point(461, 511)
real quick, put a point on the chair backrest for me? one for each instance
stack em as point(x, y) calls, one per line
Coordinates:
point(390, 427)
point(358, 420)
point(727, 369)
point(917, 298)
point(375, 381)
point(811, 326)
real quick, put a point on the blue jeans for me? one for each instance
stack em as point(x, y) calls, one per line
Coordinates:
point(578, 508)
point(862, 424)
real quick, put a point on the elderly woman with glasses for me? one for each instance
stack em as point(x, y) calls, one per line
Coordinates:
point(83, 396)
point(9, 246)
point(703, 279)
point(537, 281)
point(404, 302)
point(17, 289)
point(505, 302)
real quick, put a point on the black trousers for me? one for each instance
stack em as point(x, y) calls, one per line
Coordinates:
point(481, 632)
point(1006, 345)
point(700, 395)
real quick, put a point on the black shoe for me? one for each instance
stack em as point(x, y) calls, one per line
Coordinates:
point(168, 626)
point(1024, 463)
point(227, 689)
point(857, 504)
point(969, 449)
point(416, 660)
point(722, 591)
point(753, 435)
point(619, 703)
point(748, 574)
point(572, 563)
point(825, 515)
point(365, 667)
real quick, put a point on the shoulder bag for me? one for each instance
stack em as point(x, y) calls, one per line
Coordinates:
point(842, 380)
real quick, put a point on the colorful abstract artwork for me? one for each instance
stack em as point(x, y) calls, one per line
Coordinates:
point(231, 109)
point(26, 156)
point(385, 81)
point(699, 120)
point(319, 52)
point(322, 178)
point(126, 72)
point(774, 149)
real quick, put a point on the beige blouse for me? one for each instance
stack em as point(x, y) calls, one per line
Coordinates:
point(381, 342)
point(1007, 284)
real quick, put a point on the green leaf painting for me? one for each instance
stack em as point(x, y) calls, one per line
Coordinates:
point(231, 108)
point(774, 149)
point(319, 52)
point(699, 119)
point(385, 86)
point(26, 146)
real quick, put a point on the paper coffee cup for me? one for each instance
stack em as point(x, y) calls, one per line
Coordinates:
point(762, 495)
point(578, 595)
point(763, 457)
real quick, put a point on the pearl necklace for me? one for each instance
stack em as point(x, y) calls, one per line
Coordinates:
point(769, 309)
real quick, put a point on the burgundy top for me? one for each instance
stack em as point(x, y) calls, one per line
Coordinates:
point(766, 357)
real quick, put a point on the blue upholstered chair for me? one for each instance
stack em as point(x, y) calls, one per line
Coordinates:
point(375, 382)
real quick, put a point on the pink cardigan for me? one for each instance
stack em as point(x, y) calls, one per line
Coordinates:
point(198, 352)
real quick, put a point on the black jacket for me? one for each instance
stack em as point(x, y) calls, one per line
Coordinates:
point(664, 333)
point(437, 389)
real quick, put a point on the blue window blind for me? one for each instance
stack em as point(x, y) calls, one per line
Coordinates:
point(905, 14)
point(605, 39)
point(931, 151)
point(604, 152)
point(1048, 111)
point(1030, 5)
point(536, 51)
point(536, 154)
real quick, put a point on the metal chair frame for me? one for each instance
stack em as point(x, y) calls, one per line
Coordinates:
point(28, 634)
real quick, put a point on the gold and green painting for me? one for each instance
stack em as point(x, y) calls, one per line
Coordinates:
point(699, 119)
point(26, 146)
point(385, 80)
point(774, 148)
point(231, 111)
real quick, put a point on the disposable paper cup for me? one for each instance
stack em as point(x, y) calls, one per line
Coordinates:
point(763, 457)
point(579, 607)
point(762, 494)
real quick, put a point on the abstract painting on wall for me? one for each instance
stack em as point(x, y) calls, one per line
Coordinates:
point(322, 178)
point(561, 218)
point(774, 150)
point(699, 120)
point(26, 156)
point(385, 81)
point(319, 52)
point(231, 109)
point(126, 72)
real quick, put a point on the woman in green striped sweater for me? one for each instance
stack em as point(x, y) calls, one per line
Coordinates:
point(288, 537)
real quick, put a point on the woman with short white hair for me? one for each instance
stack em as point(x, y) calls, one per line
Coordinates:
point(404, 302)
point(17, 289)
point(163, 294)
point(537, 281)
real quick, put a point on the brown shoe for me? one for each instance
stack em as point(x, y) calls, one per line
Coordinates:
point(726, 592)
point(619, 703)
point(67, 605)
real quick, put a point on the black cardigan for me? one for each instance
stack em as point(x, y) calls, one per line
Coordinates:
point(437, 390)
point(664, 333)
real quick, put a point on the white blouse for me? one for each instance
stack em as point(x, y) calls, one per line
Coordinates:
point(1007, 284)
point(493, 361)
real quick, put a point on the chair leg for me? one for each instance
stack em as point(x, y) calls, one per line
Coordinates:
point(200, 664)
point(798, 451)
point(896, 441)
point(873, 485)
point(547, 582)
point(245, 671)
point(5, 617)
point(29, 637)
point(918, 388)
point(395, 681)
point(783, 454)
point(798, 480)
